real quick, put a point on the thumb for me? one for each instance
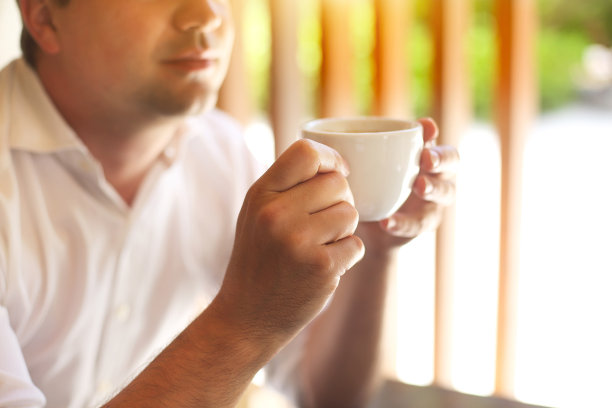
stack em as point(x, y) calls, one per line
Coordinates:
point(303, 160)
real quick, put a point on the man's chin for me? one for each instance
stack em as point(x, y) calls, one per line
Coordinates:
point(177, 108)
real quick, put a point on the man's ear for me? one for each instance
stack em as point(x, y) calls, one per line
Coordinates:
point(37, 18)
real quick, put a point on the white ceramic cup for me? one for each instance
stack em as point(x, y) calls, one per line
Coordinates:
point(383, 155)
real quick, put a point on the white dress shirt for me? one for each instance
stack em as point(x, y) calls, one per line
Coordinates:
point(91, 289)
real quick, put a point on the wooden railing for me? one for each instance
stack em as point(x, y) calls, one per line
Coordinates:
point(515, 108)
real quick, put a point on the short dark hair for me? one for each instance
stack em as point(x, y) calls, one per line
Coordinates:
point(29, 47)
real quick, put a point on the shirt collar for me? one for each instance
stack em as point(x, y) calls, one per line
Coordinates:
point(35, 123)
point(37, 126)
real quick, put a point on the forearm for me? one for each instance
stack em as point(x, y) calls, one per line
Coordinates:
point(210, 364)
point(342, 362)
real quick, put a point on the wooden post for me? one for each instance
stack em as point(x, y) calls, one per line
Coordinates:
point(391, 99)
point(234, 97)
point(336, 90)
point(391, 79)
point(516, 108)
point(286, 104)
point(451, 110)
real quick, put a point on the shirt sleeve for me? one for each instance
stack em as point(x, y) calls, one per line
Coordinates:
point(16, 387)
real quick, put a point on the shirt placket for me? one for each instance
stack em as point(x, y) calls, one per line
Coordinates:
point(117, 320)
point(120, 327)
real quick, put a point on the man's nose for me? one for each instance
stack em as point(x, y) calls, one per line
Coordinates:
point(205, 15)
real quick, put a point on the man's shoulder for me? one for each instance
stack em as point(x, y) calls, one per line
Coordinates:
point(7, 79)
point(8, 186)
point(7, 75)
point(8, 71)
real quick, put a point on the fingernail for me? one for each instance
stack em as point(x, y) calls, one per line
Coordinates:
point(428, 186)
point(435, 159)
point(345, 168)
point(390, 223)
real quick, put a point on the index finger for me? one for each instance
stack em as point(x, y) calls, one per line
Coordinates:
point(440, 159)
point(430, 131)
point(303, 160)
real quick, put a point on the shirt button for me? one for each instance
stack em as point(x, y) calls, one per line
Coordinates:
point(104, 388)
point(170, 153)
point(122, 313)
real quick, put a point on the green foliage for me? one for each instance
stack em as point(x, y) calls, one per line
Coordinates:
point(481, 56)
point(257, 46)
point(362, 23)
point(592, 18)
point(309, 54)
point(560, 43)
point(566, 27)
point(559, 55)
point(420, 50)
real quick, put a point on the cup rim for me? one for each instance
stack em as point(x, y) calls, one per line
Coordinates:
point(311, 125)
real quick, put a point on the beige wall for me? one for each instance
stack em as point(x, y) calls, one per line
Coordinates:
point(10, 27)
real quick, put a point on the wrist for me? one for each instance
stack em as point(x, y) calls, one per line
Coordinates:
point(378, 241)
point(256, 343)
point(377, 244)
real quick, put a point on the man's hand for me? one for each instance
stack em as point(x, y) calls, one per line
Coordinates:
point(294, 240)
point(433, 190)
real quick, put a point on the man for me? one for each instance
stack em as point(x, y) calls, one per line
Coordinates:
point(124, 277)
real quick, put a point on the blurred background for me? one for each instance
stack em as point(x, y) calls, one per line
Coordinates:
point(512, 296)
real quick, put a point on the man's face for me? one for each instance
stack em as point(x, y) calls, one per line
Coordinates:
point(157, 57)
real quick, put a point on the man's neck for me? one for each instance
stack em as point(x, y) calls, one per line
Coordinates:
point(126, 144)
point(127, 158)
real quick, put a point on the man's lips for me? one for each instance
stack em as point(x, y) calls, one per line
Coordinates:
point(192, 61)
point(191, 64)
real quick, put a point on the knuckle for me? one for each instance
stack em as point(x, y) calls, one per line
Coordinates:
point(252, 192)
point(359, 246)
point(296, 240)
point(337, 182)
point(305, 149)
point(341, 187)
point(350, 213)
point(354, 217)
point(340, 180)
point(270, 216)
